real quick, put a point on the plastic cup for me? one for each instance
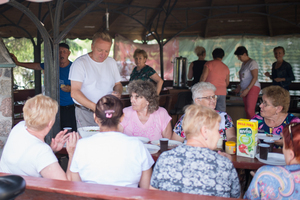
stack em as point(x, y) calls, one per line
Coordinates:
point(263, 151)
point(164, 144)
point(69, 129)
point(271, 143)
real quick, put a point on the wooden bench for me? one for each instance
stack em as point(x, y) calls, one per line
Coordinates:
point(20, 96)
point(42, 188)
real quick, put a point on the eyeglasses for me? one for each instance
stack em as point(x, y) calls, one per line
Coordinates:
point(209, 98)
point(264, 103)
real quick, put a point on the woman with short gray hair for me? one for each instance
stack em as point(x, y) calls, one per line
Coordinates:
point(204, 94)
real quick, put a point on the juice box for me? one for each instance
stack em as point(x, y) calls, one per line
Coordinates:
point(246, 137)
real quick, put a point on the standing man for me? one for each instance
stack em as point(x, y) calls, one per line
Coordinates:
point(92, 76)
point(217, 73)
point(67, 109)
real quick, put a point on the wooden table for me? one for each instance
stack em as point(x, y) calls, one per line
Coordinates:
point(239, 162)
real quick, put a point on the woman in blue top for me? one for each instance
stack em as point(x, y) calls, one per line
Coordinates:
point(280, 182)
point(143, 71)
point(282, 72)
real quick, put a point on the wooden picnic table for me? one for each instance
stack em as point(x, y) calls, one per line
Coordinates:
point(239, 162)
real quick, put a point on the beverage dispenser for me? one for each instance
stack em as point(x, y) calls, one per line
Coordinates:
point(180, 73)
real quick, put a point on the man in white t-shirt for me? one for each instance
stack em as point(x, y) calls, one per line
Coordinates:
point(92, 76)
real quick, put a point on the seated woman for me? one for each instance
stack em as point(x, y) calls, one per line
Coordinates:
point(274, 116)
point(204, 94)
point(110, 157)
point(25, 151)
point(194, 167)
point(144, 117)
point(280, 182)
point(143, 71)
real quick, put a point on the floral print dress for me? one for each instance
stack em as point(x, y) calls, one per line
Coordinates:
point(226, 122)
point(195, 170)
point(275, 130)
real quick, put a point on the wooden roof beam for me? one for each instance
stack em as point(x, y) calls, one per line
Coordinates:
point(269, 20)
point(209, 15)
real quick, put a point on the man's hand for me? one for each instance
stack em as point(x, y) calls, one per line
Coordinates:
point(65, 88)
point(14, 58)
point(71, 142)
point(116, 94)
point(58, 142)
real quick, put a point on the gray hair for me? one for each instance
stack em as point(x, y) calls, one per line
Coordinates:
point(147, 90)
point(199, 88)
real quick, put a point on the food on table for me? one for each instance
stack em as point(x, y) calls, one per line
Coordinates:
point(94, 130)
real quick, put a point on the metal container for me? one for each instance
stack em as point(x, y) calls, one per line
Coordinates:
point(180, 72)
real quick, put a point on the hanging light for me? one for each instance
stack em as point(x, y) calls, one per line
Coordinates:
point(107, 19)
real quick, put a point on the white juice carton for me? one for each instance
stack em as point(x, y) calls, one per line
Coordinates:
point(246, 137)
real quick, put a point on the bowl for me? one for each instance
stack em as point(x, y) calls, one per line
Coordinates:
point(88, 131)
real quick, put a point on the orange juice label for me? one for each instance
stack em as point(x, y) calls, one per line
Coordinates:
point(246, 137)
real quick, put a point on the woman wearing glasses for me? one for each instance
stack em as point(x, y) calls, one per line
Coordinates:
point(274, 116)
point(204, 94)
point(280, 182)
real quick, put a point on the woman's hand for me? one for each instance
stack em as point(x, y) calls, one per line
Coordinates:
point(279, 79)
point(244, 92)
point(58, 142)
point(278, 142)
point(71, 142)
point(267, 74)
point(225, 155)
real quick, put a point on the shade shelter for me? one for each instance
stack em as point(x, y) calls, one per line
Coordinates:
point(156, 19)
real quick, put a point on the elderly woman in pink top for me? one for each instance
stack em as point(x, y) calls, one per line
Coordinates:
point(144, 117)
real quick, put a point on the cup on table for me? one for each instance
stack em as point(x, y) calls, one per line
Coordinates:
point(69, 129)
point(164, 142)
point(271, 143)
point(263, 150)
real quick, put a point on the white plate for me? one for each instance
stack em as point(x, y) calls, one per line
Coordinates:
point(273, 159)
point(171, 143)
point(143, 139)
point(263, 136)
point(88, 131)
point(152, 148)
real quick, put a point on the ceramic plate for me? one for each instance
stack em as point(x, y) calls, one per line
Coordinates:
point(152, 148)
point(171, 143)
point(263, 136)
point(143, 139)
point(273, 159)
point(88, 131)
